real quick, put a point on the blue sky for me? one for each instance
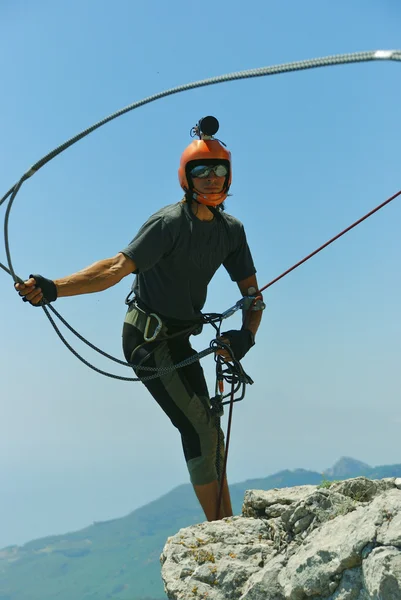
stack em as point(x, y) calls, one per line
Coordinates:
point(312, 152)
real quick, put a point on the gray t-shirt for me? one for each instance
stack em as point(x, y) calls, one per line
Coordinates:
point(177, 254)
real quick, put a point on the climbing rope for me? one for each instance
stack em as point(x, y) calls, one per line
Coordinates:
point(356, 57)
point(235, 373)
point(333, 239)
point(339, 59)
point(217, 404)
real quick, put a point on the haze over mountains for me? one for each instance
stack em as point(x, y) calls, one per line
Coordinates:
point(119, 558)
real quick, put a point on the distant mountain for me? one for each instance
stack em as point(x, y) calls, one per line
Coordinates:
point(348, 467)
point(119, 559)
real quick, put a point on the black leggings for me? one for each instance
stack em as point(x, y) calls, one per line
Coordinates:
point(182, 394)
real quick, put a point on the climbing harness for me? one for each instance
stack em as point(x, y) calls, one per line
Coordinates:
point(231, 372)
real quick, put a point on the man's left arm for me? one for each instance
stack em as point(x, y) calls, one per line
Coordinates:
point(242, 341)
point(250, 318)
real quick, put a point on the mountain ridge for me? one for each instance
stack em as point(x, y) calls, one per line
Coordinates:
point(118, 559)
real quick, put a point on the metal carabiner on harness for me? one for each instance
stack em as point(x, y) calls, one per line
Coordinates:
point(157, 328)
point(247, 302)
point(230, 311)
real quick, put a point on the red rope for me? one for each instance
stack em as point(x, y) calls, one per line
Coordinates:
point(223, 474)
point(330, 241)
point(261, 290)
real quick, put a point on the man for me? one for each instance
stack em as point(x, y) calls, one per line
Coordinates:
point(174, 256)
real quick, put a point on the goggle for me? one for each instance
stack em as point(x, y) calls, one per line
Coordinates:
point(202, 171)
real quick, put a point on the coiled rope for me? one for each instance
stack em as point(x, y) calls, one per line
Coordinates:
point(340, 59)
point(264, 71)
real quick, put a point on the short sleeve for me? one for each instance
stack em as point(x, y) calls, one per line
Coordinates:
point(150, 244)
point(239, 263)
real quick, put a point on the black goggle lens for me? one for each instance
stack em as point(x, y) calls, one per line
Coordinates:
point(203, 171)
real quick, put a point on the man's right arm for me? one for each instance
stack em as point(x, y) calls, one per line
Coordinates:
point(100, 276)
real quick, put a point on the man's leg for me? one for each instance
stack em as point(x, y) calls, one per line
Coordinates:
point(183, 396)
point(208, 496)
point(228, 510)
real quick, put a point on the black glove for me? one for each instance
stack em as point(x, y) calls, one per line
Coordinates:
point(240, 341)
point(48, 287)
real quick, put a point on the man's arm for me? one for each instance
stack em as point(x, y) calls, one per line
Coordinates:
point(250, 319)
point(100, 276)
point(240, 341)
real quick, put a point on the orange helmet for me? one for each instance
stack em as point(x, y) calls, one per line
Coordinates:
point(204, 152)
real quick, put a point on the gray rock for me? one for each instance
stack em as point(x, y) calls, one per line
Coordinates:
point(350, 586)
point(362, 489)
point(337, 543)
point(382, 573)
point(257, 501)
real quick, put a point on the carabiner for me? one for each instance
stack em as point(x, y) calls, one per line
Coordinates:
point(157, 329)
point(230, 311)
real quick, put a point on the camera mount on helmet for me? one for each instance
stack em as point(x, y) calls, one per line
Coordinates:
point(206, 128)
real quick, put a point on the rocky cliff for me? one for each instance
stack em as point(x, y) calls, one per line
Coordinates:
point(340, 542)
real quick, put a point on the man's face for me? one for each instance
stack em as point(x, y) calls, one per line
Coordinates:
point(209, 179)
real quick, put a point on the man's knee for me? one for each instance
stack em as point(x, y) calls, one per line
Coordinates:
point(202, 470)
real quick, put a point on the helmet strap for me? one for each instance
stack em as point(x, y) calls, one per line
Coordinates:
point(190, 196)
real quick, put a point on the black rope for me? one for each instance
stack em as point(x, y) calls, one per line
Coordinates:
point(158, 371)
point(357, 57)
point(231, 372)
